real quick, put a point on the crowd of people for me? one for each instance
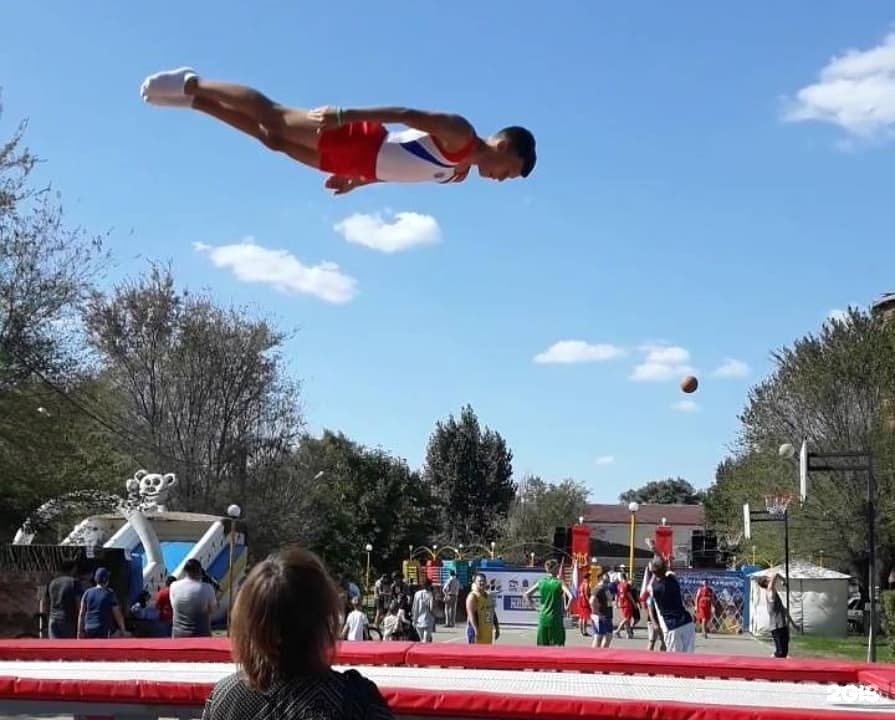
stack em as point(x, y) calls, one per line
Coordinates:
point(606, 606)
point(182, 608)
point(289, 615)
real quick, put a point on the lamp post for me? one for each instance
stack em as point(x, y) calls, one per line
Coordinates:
point(369, 548)
point(633, 507)
point(460, 551)
point(234, 511)
point(492, 549)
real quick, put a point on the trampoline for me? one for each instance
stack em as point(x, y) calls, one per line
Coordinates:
point(122, 679)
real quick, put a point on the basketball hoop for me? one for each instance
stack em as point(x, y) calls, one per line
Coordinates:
point(732, 539)
point(777, 504)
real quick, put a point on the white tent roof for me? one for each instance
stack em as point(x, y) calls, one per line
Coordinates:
point(802, 571)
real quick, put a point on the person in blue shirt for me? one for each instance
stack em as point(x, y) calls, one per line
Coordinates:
point(99, 613)
point(674, 619)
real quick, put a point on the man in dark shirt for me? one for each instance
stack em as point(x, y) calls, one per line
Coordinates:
point(64, 594)
point(677, 624)
point(601, 613)
point(99, 609)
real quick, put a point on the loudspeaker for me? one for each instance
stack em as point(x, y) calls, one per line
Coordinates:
point(562, 539)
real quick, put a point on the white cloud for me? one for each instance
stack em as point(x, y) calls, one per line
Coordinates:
point(577, 351)
point(855, 91)
point(605, 460)
point(281, 270)
point(404, 231)
point(685, 406)
point(661, 363)
point(731, 368)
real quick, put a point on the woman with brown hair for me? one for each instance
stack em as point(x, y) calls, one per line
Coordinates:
point(283, 631)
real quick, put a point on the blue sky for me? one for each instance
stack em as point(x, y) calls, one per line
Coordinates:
point(712, 182)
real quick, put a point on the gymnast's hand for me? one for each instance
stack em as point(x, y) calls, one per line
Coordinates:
point(325, 117)
point(341, 184)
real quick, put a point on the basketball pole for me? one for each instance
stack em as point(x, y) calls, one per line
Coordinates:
point(871, 585)
point(855, 461)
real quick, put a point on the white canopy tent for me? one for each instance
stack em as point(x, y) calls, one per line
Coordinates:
point(818, 596)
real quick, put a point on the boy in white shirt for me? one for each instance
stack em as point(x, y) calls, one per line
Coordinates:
point(356, 624)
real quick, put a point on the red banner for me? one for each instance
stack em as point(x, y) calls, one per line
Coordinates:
point(581, 544)
point(664, 542)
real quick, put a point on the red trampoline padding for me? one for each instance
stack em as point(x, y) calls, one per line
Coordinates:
point(420, 703)
point(122, 650)
point(633, 662)
point(881, 678)
point(179, 650)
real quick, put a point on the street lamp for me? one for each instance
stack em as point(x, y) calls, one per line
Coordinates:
point(633, 507)
point(369, 548)
point(460, 551)
point(234, 511)
point(492, 549)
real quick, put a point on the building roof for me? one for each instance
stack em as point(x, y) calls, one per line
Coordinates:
point(650, 514)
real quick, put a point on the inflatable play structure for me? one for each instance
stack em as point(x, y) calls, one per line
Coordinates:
point(172, 678)
point(139, 540)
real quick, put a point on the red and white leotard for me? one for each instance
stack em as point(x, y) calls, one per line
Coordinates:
point(414, 156)
point(367, 150)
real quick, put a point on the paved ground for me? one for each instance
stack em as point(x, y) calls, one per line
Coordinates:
point(716, 644)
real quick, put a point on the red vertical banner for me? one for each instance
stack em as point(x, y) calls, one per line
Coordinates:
point(581, 544)
point(664, 542)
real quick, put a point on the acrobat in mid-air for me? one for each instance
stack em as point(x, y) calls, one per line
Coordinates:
point(353, 145)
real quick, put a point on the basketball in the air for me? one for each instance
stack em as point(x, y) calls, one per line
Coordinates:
point(689, 384)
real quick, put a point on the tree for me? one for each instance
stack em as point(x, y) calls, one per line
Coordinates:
point(669, 491)
point(204, 393)
point(366, 496)
point(747, 479)
point(470, 473)
point(538, 509)
point(46, 272)
point(56, 448)
point(835, 388)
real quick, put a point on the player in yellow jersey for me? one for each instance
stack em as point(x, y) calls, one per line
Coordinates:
point(482, 626)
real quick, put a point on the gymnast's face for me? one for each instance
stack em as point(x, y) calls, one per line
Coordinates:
point(498, 162)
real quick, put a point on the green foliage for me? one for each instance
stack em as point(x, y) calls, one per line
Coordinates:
point(537, 509)
point(365, 496)
point(49, 448)
point(887, 601)
point(834, 388)
point(45, 273)
point(470, 473)
point(669, 491)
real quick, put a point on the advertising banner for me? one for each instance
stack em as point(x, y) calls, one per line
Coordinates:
point(506, 585)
